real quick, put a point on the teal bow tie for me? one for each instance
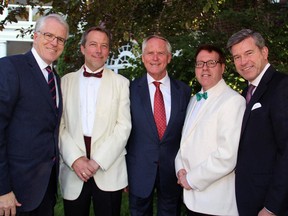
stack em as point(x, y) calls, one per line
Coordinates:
point(199, 96)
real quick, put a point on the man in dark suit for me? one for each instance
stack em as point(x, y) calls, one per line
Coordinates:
point(30, 110)
point(151, 149)
point(261, 170)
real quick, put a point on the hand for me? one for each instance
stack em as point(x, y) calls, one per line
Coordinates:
point(84, 168)
point(181, 174)
point(126, 190)
point(94, 165)
point(8, 204)
point(264, 212)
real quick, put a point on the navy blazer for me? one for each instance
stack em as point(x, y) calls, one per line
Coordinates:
point(262, 165)
point(145, 152)
point(28, 130)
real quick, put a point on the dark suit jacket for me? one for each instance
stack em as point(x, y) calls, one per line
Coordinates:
point(28, 130)
point(145, 151)
point(262, 165)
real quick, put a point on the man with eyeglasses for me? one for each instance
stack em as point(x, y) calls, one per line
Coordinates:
point(30, 111)
point(207, 156)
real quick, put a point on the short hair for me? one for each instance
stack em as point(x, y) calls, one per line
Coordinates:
point(242, 35)
point(210, 48)
point(41, 22)
point(168, 45)
point(95, 28)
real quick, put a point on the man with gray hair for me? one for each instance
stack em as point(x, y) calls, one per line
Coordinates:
point(261, 169)
point(30, 110)
point(158, 108)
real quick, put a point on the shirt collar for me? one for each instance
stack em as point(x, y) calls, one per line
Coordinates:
point(259, 77)
point(42, 64)
point(90, 71)
point(164, 80)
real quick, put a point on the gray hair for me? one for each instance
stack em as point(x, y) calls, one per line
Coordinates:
point(168, 45)
point(41, 22)
point(243, 34)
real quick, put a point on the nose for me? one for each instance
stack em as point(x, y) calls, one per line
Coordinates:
point(54, 42)
point(244, 60)
point(155, 56)
point(205, 67)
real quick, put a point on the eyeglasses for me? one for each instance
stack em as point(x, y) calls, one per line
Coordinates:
point(50, 37)
point(209, 64)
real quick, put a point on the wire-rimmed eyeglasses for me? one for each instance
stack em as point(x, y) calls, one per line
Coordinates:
point(209, 64)
point(50, 37)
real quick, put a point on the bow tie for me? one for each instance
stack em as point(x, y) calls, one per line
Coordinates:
point(199, 96)
point(87, 74)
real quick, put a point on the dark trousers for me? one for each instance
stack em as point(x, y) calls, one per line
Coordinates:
point(46, 207)
point(104, 203)
point(167, 205)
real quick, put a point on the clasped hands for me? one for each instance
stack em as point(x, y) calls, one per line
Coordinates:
point(85, 168)
point(181, 175)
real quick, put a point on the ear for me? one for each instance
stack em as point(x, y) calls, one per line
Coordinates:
point(82, 48)
point(169, 57)
point(265, 52)
point(223, 68)
point(35, 35)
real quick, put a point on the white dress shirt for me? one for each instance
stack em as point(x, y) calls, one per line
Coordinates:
point(88, 90)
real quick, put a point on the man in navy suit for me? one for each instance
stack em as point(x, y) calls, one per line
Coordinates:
point(29, 121)
point(150, 158)
point(262, 164)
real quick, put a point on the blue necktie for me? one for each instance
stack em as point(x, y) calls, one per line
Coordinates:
point(51, 84)
point(200, 95)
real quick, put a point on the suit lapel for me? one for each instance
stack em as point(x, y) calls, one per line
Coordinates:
point(40, 79)
point(212, 97)
point(146, 103)
point(260, 90)
point(176, 102)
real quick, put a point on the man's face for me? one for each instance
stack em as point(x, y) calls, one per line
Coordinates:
point(209, 76)
point(49, 50)
point(249, 59)
point(96, 50)
point(156, 57)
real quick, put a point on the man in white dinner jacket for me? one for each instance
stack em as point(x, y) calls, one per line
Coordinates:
point(94, 130)
point(208, 151)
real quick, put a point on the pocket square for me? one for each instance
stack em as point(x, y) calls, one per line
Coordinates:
point(256, 106)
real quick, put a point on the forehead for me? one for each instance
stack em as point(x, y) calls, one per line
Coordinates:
point(97, 36)
point(155, 43)
point(245, 45)
point(53, 26)
point(206, 55)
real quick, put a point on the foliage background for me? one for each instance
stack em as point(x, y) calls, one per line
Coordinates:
point(185, 23)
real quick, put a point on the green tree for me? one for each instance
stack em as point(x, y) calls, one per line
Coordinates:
point(185, 23)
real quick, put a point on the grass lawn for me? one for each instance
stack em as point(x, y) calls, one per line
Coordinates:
point(59, 211)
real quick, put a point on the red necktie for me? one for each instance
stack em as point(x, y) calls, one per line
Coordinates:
point(51, 84)
point(87, 74)
point(249, 93)
point(159, 110)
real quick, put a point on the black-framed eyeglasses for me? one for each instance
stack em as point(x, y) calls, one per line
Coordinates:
point(209, 64)
point(50, 37)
